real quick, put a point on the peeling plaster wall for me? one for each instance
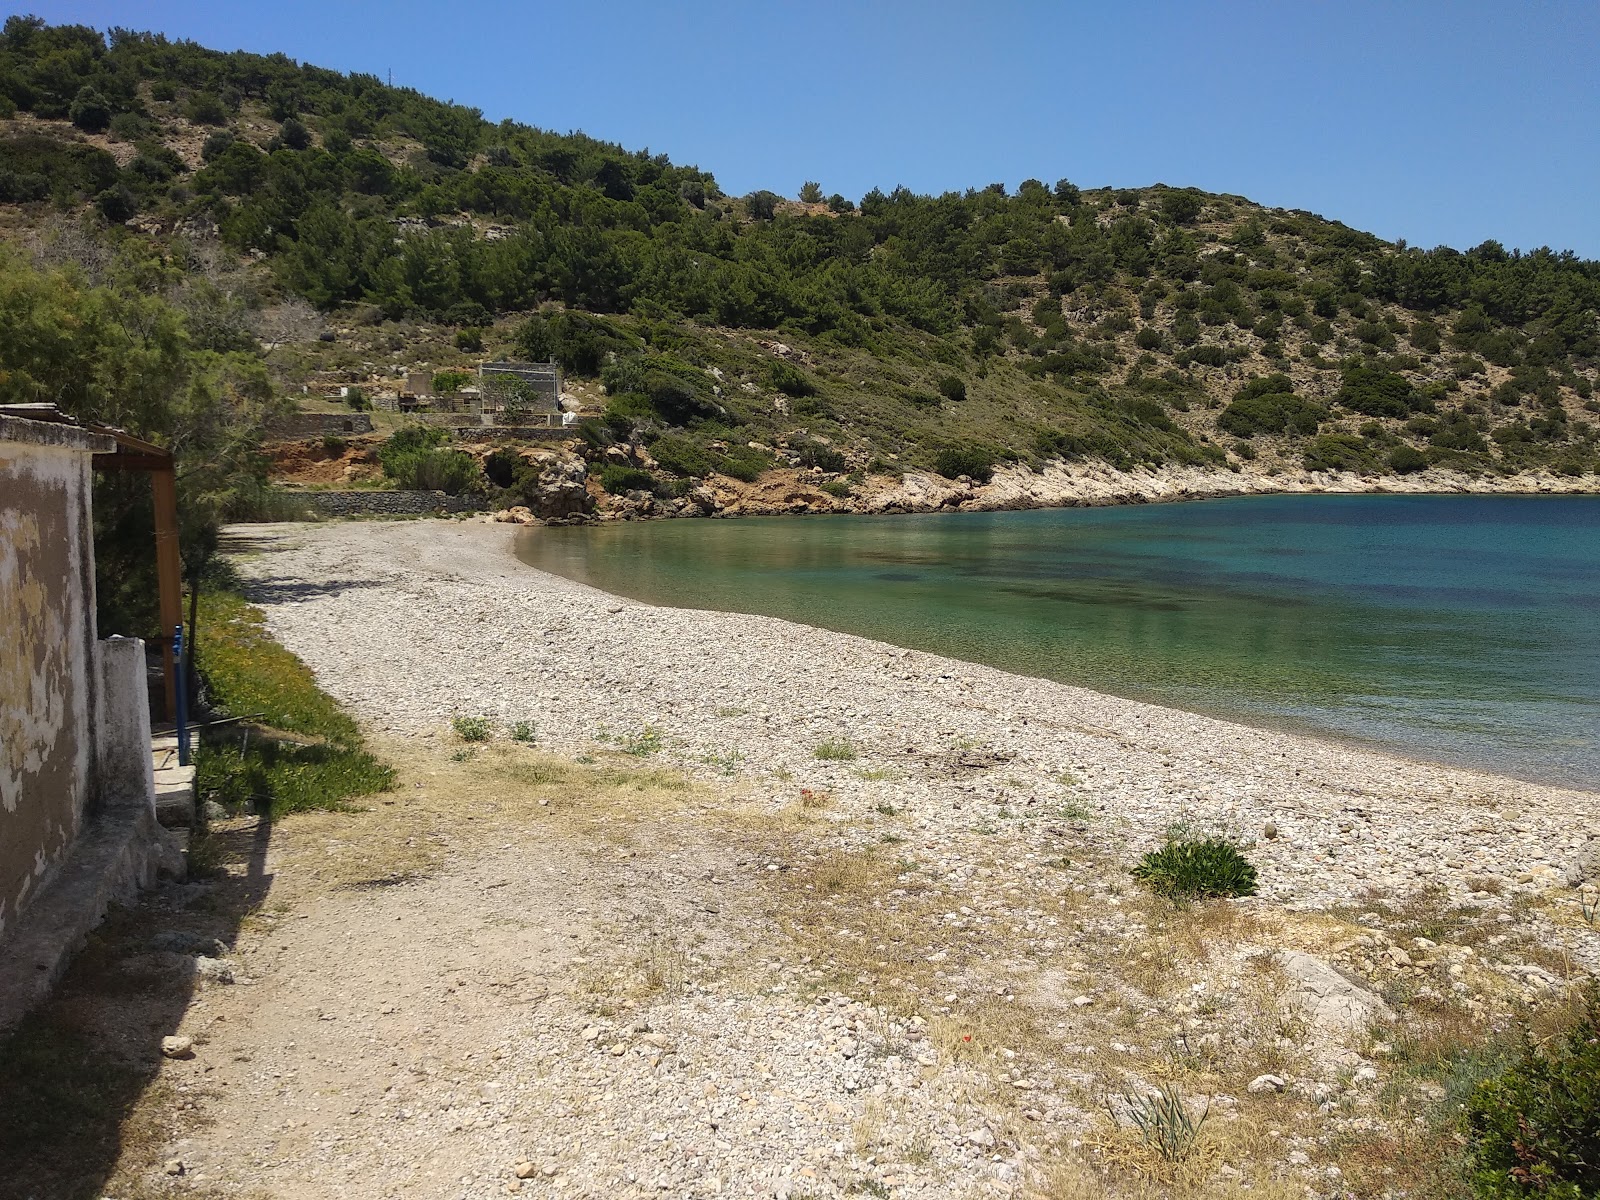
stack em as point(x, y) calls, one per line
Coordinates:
point(47, 639)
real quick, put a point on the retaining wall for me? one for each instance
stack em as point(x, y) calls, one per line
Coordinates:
point(386, 504)
point(309, 425)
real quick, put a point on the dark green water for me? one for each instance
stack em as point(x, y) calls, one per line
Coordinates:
point(1457, 628)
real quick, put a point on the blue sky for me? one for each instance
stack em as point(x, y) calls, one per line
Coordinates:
point(1433, 122)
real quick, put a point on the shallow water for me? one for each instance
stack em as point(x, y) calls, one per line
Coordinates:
point(1463, 629)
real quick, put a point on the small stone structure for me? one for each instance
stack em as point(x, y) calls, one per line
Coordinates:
point(391, 504)
point(512, 391)
point(77, 808)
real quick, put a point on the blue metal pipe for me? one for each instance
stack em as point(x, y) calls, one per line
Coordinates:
point(183, 696)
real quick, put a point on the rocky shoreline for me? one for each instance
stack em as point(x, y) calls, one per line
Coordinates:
point(571, 498)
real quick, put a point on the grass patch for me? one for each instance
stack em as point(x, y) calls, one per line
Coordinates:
point(246, 673)
point(1190, 870)
point(284, 777)
point(835, 751)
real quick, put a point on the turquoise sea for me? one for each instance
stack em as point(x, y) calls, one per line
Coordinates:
point(1461, 629)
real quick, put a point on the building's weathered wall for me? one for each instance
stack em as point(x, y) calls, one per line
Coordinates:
point(47, 638)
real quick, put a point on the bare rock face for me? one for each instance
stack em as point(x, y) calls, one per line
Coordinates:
point(559, 489)
point(562, 490)
point(1329, 1001)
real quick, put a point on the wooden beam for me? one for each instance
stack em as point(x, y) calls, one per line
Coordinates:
point(169, 574)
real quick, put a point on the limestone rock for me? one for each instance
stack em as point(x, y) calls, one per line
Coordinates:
point(213, 969)
point(1266, 1083)
point(1585, 864)
point(1332, 1003)
point(177, 1046)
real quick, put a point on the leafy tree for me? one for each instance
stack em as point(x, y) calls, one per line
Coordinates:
point(762, 206)
point(295, 135)
point(1181, 207)
point(206, 109)
point(810, 192)
point(90, 110)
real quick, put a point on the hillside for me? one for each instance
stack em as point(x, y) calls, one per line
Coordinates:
point(308, 228)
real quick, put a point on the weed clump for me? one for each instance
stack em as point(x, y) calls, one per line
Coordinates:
point(835, 751)
point(1163, 1122)
point(472, 729)
point(523, 731)
point(1192, 869)
point(1535, 1128)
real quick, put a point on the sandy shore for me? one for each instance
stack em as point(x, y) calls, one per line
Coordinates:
point(413, 623)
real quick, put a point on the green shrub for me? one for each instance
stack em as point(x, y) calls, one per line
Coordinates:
point(415, 458)
point(683, 456)
point(1191, 869)
point(1269, 405)
point(1339, 452)
point(470, 340)
point(522, 731)
point(576, 340)
point(618, 479)
point(662, 386)
point(818, 454)
point(1376, 393)
point(472, 729)
point(333, 445)
point(294, 134)
point(216, 145)
point(835, 751)
point(953, 389)
point(1534, 1130)
point(974, 461)
point(836, 488)
point(791, 380)
point(742, 462)
point(1404, 459)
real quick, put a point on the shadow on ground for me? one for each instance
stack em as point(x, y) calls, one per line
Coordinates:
point(80, 1089)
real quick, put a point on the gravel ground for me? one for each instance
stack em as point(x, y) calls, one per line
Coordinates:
point(411, 624)
point(910, 966)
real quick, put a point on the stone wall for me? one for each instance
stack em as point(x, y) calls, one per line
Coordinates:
point(49, 693)
point(386, 504)
point(514, 433)
point(311, 425)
